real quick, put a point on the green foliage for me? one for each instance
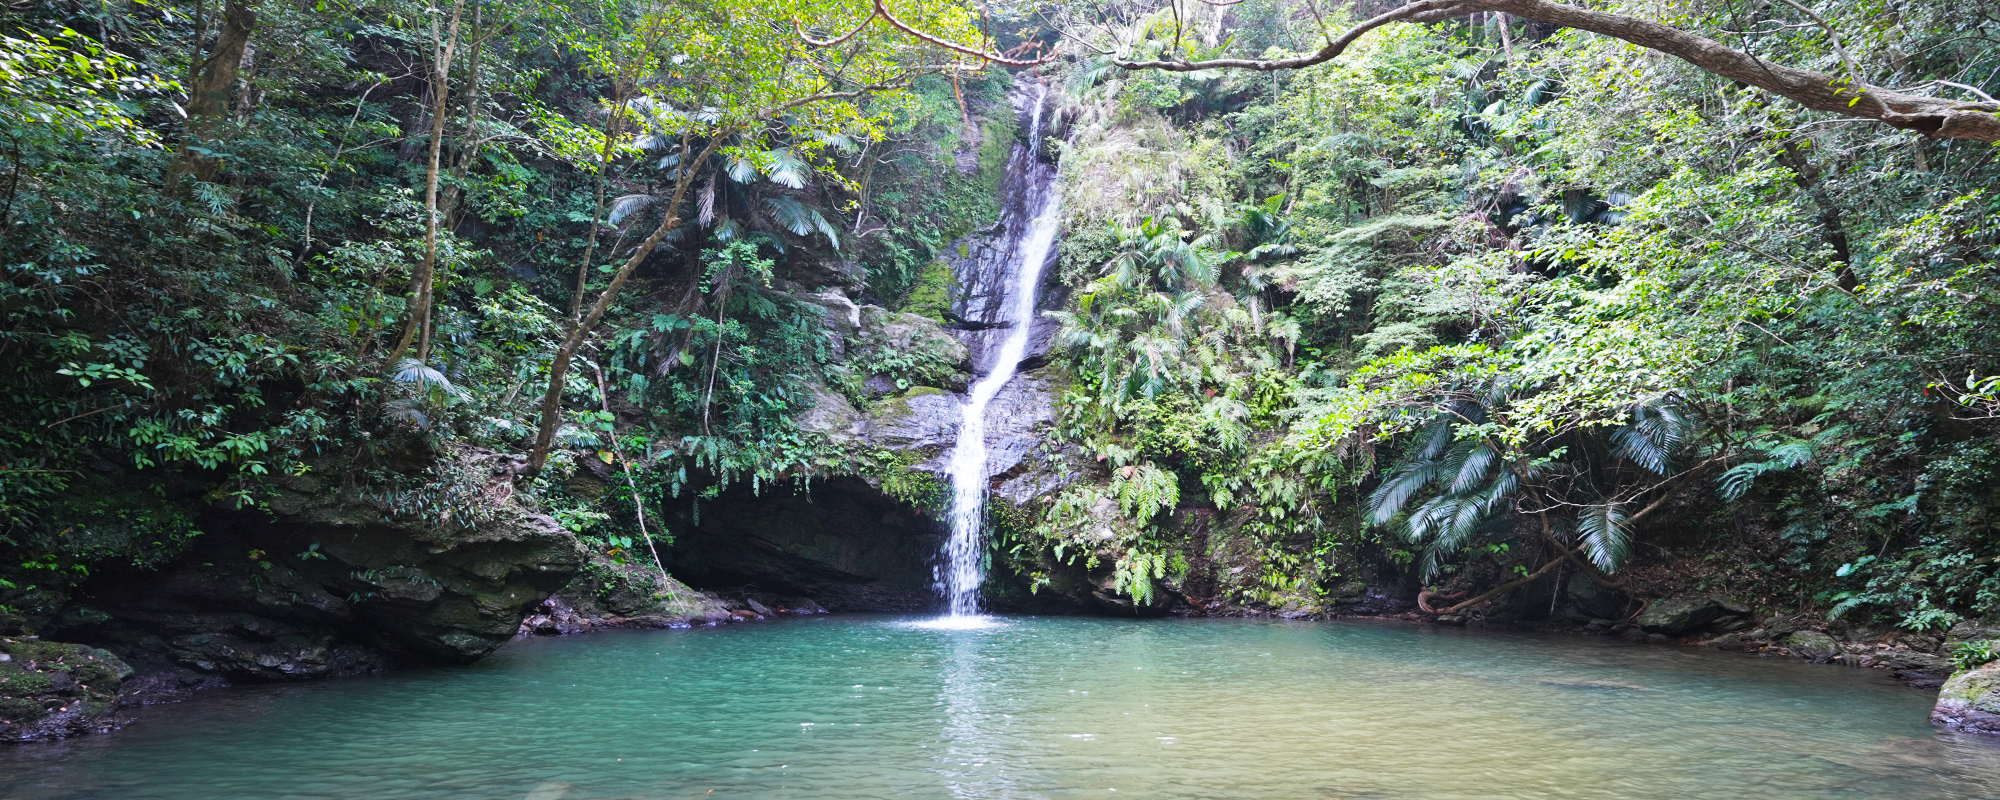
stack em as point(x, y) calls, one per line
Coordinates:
point(1555, 301)
point(1969, 655)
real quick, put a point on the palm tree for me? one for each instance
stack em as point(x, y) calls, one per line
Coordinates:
point(1584, 485)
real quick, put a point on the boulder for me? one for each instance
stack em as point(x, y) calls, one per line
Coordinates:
point(1812, 644)
point(1970, 701)
point(607, 594)
point(903, 331)
point(1971, 630)
point(1598, 602)
point(1680, 616)
point(49, 690)
point(832, 415)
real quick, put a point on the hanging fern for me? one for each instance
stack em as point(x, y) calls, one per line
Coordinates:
point(1134, 573)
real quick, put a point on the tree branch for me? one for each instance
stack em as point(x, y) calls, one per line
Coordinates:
point(1930, 116)
point(801, 28)
point(1508, 586)
point(883, 12)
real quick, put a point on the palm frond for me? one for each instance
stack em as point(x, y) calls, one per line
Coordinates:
point(1426, 520)
point(787, 169)
point(1652, 437)
point(410, 370)
point(1473, 471)
point(801, 219)
point(1607, 534)
point(627, 206)
point(1437, 437)
point(1396, 490)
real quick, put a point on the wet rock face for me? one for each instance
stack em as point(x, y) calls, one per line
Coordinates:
point(49, 690)
point(846, 544)
point(923, 419)
point(1970, 701)
point(328, 586)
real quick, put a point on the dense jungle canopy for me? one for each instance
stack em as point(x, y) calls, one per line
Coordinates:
point(1696, 295)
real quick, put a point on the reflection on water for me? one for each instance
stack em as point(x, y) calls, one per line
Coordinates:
point(860, 707)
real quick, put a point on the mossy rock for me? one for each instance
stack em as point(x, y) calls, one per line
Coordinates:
point(49, 690)
point(1970, 700)
point(1813, 644)
point(930, 295)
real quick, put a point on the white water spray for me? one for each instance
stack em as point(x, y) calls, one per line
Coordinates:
point(960, 574)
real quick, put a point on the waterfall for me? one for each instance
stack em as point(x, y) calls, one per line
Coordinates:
point(1031, 219)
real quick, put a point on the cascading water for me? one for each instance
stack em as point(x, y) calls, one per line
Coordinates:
point(1030, 222)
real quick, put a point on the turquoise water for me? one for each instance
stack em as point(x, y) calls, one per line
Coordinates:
point(869, 707)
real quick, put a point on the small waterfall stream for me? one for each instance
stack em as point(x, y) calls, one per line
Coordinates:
point(1030, 220)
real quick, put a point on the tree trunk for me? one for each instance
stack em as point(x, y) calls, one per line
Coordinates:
point(603, 180)
point(1808, 178)
point(208, 94)
point(421, 285)
point(559, 367)
point(469, 144)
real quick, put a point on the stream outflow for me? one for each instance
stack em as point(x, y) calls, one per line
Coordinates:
point(1031, 219)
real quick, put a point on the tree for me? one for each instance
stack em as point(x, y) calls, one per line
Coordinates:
point(734, 77)
point(444, 47)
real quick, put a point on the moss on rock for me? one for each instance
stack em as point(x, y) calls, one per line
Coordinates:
point(49, 690)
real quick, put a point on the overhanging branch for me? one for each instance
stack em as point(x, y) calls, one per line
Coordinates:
point(1945, 119)
point(883, 12)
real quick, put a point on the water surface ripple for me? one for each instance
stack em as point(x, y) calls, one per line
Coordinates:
point(872, 707)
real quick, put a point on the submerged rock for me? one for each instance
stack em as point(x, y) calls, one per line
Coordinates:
point(49, 690)
point(1970, 700)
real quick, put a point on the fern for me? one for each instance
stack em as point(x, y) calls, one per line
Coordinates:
point(1144, 491)
point(1737, 480)
point(1134, 573)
